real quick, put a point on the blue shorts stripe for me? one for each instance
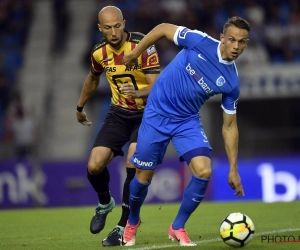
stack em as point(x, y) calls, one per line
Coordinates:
point(188, 156)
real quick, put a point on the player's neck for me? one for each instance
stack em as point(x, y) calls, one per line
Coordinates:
point(223, 54)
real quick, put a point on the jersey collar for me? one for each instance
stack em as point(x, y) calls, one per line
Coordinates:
point(220, 57)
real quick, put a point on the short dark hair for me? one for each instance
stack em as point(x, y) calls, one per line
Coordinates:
point(237, 22)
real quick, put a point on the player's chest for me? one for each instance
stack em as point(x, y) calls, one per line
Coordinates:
point(211, 79)
point(112, 69)
point(120, 74)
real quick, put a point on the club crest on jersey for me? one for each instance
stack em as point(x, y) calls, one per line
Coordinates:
point(220, 81)
point(151, 50)
point(183, 32)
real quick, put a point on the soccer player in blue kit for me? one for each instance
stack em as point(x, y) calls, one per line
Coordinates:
point(203, 68)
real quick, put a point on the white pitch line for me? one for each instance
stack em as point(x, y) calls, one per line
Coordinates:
point(216, 239)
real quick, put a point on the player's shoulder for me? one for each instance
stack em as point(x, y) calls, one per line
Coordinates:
point(99, 45)
point(135, 37)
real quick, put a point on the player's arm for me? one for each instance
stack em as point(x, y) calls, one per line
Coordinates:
point(128, 88)
point(151, 78)
point(162, 30)
point(88, 89)
point(231, 137)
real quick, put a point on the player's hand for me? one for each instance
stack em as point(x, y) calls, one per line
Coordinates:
point(82, 118)
point(129, 60)
point(235, 183)
point(128, 89)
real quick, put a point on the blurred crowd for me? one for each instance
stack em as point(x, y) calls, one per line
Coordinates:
point(15, 20)
point(17, 123)
point(275, 24)
point(274, 36)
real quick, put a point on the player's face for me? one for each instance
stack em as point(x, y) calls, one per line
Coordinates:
point(233, 43)
point(113, 31)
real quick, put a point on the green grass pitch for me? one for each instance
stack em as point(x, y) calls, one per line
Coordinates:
point(68, 228)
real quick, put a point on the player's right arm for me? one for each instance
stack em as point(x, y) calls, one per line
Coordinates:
point(231, 137)
point(162, 30)
point(88, 89)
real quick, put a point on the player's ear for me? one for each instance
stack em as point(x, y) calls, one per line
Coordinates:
point(247, 42)
point(124, 22)
point(222, 38)
point(99, 27)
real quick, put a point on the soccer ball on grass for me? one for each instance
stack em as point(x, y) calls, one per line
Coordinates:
point(237, 230)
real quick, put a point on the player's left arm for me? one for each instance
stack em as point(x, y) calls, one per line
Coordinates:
point(151, 78)
point(166, 30)
point(151, 69)
point(231, 137)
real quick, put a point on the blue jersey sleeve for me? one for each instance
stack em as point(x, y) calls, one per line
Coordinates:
point(229, 101)
point(188, 38)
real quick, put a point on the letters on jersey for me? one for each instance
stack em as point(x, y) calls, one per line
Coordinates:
point(205, 64)
point(197, 73)
point(105, 58)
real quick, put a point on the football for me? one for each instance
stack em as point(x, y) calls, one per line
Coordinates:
point(237, 230)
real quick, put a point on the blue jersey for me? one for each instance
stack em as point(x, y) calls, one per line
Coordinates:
point(194, 75)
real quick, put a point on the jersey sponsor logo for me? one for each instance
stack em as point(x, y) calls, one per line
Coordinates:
point(143, 163)
point(183, 32)
point(151, 50)
point(199, 79)
point(135, 67)
point(110, 69)
point(220, 81)
point(201, 57)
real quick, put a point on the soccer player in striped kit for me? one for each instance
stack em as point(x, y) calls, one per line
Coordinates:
point(130, 87)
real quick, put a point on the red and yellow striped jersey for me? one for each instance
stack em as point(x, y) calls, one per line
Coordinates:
point(105, 58)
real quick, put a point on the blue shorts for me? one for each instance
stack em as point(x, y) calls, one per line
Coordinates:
point(156, 132)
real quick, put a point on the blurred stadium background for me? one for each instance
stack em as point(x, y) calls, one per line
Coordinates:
point(44, 59)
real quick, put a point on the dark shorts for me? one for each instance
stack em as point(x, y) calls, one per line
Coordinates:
point(119, 127)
